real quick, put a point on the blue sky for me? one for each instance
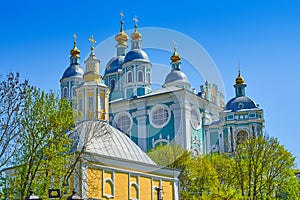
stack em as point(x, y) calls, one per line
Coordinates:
point(36, 37)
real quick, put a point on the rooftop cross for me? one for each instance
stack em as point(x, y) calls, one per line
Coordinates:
point(121, 15)
point(75, 37)
point(174, 43)
point(92, 40)
point(135, 19)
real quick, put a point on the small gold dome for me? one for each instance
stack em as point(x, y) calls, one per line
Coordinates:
point(175, 57)
point(75, 52)
point(239, 80)
point(121, 37)
point(136, 35)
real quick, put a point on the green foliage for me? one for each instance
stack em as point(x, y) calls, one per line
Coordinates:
point(43, 157)
point(259, 169)
point(169, 155)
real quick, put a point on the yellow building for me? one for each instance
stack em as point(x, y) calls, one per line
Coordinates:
point(114, 167)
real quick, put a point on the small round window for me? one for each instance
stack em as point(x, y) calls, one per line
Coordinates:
point(123, 121)
point(160, 116)
point(240, 105)
point(195, 118)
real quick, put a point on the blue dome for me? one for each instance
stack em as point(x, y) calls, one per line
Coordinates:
point(136, 55)
point(114, 64)
point(239, 103)
point(73, 70)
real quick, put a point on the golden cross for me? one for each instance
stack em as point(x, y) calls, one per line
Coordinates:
point(135, 19)
point(174, 43)
point(92, 40)
point(75, 37)
point(121, 15)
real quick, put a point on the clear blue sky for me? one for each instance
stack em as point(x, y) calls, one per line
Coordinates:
point(36, 37)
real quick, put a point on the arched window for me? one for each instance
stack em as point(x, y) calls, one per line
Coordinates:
point(112, 84)
point(65, 92)
point(140, 76)
point(129, 77)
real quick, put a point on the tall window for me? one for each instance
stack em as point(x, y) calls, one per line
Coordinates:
point(140, 76)
point(91, 103)
point(112, 84)
point(148, 77)
point(240, 90)
point(65, 93)
point(129, 77)
point(74, 91)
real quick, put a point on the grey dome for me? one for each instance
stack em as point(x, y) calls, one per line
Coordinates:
point(73, 71)
point(176, 75)
point(239, 103)
point(100, 138)
point(114, 64)
point(136, 55)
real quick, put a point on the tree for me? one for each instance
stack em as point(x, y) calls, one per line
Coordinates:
point(169, 155)
point(12, 94)
point(43, 157)
point(264, 169)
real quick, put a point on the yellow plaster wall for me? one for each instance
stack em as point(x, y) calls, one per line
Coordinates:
point(121, 185)
point(145, 188)
point(168, 192)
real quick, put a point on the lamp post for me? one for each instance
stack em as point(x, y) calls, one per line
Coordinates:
point(74, 196)
point(32, 196)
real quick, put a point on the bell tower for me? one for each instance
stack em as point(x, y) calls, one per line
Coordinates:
point(92, 94)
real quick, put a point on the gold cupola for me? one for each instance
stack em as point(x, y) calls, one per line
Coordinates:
point(136, 35)
point(175, 57)
point(239, 80)
point(121, 37)
point(75, 51)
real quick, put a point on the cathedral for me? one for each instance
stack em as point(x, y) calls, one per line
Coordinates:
point(123, 96)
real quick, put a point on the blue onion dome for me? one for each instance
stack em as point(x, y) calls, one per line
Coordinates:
point(176, 75)
point(114, 64)
point(73, 71)
point(136, 55)
point(239, 103)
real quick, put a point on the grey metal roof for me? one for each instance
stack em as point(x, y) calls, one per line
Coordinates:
point(176, 75)
point(100, 138)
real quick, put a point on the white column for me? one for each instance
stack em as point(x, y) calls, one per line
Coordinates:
point(142, 132)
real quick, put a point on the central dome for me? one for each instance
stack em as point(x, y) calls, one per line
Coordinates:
point(114, 64)
point(239, 103)
point(136, 55)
